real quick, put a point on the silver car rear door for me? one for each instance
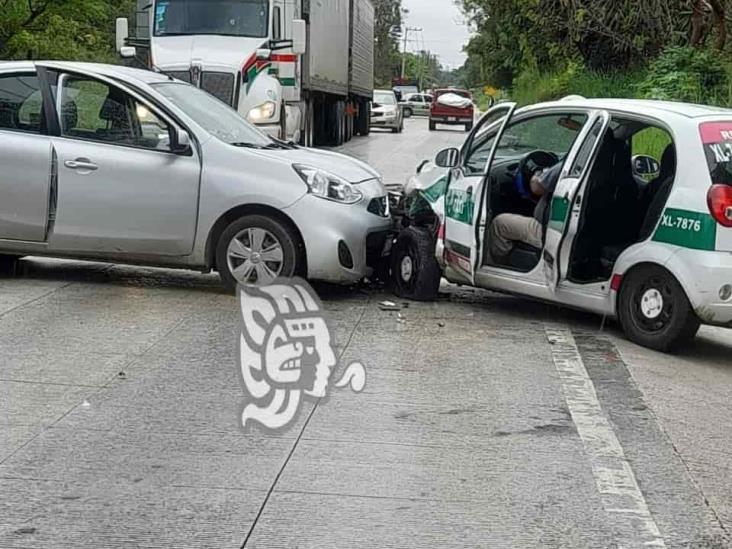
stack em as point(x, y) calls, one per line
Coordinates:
point(25, 157)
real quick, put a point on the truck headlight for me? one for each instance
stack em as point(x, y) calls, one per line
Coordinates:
point(265, 111)
point(327, 185)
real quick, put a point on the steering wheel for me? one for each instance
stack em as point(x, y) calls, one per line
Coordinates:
point(529, 165)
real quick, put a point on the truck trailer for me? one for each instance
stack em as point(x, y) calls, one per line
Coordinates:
point(301, 70)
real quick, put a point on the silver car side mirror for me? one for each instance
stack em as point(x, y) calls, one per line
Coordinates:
point(449, 158)
point(180, 142)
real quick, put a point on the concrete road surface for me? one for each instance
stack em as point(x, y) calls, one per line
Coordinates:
point(486, 420)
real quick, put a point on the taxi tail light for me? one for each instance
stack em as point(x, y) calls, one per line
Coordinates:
point(719, 199)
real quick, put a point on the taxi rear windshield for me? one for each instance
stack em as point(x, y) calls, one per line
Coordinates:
point(717, 139)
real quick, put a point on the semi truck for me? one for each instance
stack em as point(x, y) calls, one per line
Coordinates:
point(301, 70)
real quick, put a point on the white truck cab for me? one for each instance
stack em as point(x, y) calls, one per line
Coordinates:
point(301, 71)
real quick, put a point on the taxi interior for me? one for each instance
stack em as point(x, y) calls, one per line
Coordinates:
point(621, 202)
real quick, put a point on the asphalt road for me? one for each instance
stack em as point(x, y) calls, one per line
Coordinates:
point(486, 421)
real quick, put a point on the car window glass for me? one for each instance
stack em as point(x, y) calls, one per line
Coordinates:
point(21, 104)
point(94, 110)
point(384, 98)
point(554, 133)
point(651, 142)
point(480, 148)
point(585, 153)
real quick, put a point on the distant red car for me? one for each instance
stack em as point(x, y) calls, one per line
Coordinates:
point(447, 108)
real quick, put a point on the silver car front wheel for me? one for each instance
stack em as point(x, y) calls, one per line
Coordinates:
point(255, 250)
point(255, 256)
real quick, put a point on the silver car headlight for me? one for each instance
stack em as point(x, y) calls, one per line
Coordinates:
point(327, 185)
point(262, 112)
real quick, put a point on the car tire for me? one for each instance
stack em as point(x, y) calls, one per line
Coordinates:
point(257, 234)
point(395, 130)
point(8, 263)
point(469, 127)
point(415, 270)
point(408, 113)
point(654, 311)
point(433, 126)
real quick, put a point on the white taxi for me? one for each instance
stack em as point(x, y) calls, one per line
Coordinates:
point(638, 227)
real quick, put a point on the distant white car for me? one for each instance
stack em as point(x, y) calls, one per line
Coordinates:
point(386, 111)
point(416, 104)
point(116, 164)
point(639, 226)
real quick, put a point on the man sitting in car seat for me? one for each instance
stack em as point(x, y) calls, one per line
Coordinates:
point(507, 229)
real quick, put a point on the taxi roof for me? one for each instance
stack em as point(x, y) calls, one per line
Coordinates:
point(658, 109)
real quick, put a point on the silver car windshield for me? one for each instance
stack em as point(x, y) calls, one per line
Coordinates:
point(384, 98)
point(223, 17)
point(212, 115)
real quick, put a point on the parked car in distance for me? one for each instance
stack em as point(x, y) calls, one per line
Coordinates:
point(117, 164)
point(416, 104)
point(453, 113)
point(386, 111)
point(649, 243)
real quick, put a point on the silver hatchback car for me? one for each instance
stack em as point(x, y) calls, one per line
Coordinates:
point(117, 164)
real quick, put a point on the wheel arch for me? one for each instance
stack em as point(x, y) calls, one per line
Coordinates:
point(253, 209)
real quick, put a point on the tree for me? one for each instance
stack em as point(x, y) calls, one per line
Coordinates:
point(60, 29)
point(386, 35)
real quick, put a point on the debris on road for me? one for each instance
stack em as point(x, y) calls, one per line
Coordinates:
point(389, 306)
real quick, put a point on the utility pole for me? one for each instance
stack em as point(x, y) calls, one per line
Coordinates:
point(407, 30)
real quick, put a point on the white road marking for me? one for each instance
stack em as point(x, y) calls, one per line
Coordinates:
point(621, 497)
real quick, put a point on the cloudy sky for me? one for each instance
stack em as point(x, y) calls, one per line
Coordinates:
point(443, 29)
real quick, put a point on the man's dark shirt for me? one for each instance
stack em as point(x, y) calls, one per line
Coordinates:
point(548, 180)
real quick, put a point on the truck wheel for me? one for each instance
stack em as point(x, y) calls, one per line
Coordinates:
point(654, 311)
point(255, 250)
point(414, 267)
point(433, 126)
point(366, 119)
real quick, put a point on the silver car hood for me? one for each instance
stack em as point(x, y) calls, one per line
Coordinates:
point(350, 169)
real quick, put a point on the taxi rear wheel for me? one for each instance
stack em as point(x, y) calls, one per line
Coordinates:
point(654, 311)
point(414, 267)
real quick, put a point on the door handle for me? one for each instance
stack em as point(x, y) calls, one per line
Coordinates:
point(81, 164)
point(469, 192)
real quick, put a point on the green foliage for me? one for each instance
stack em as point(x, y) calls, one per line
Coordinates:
point(532, 86)
point(651, 142)
point(687, 74)
point(60, 29)
point(387, 31)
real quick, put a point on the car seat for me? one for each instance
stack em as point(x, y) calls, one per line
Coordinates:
point(116, 114)
point(649, 206)
point(69, 117)
point(654, 196)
